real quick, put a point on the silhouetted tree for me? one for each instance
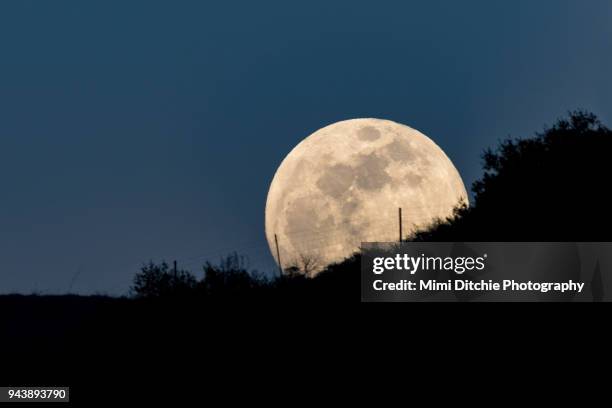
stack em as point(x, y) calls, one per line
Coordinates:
point(304, 264)
point(156, 281)
point(552, 187)
point(230, 277)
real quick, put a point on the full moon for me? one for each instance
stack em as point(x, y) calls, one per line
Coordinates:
point(344, 185)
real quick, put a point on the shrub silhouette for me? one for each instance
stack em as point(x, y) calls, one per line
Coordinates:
point(230, 277)
point(156, 281)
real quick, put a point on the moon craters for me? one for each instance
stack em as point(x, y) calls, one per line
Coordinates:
point(368, 133)
point(370, 172)
point(343, 185)
point(337, 180)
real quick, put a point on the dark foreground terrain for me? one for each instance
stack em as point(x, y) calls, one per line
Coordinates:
point(107, 349)
point(233, 337)
point(110, 351)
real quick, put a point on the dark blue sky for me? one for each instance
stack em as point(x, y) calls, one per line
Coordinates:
point(145, 130)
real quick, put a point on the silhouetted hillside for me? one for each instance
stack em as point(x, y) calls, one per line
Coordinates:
point(552, 187)
point(231, 281)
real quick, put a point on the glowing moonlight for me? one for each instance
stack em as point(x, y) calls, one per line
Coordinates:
point(343, 185)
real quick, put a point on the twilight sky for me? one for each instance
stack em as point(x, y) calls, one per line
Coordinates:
point(138, 130)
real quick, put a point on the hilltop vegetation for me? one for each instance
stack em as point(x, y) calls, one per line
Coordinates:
point(550, 187)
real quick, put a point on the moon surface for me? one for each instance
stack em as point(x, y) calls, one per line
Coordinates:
point(343, 185)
